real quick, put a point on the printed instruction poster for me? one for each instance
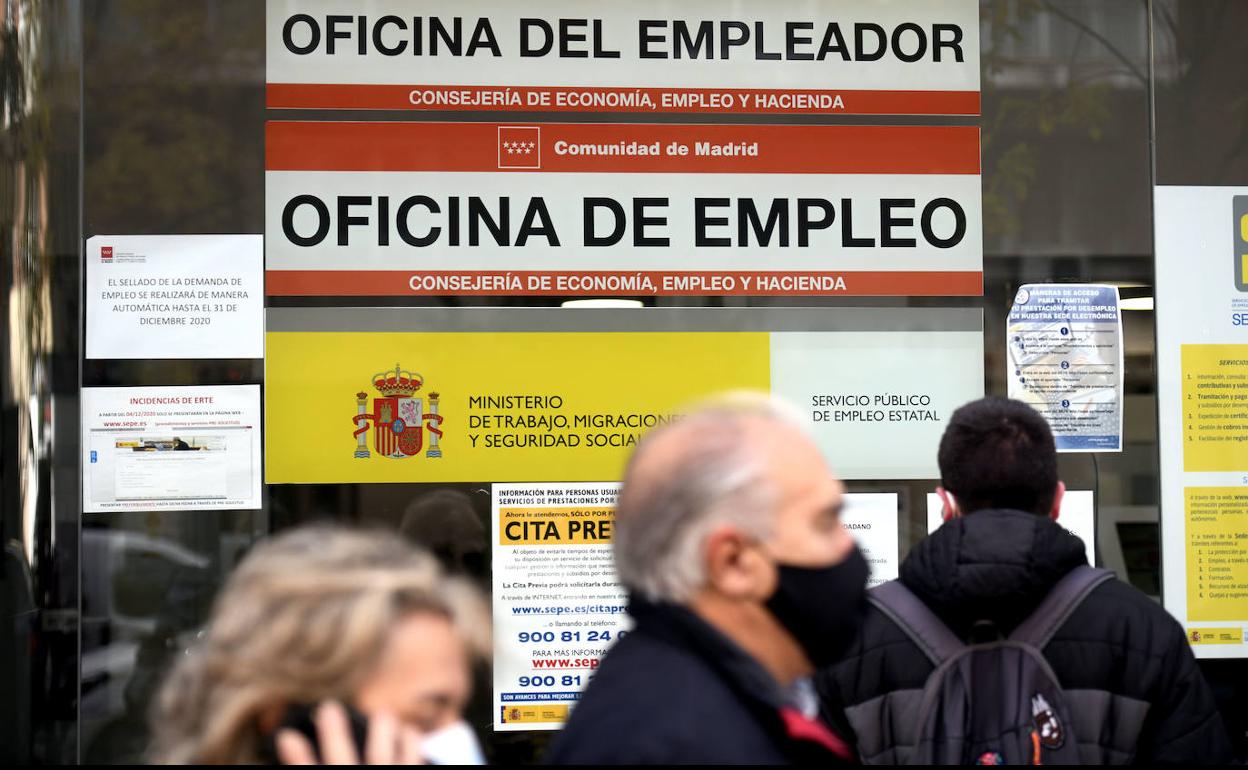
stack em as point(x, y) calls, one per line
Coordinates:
point(160, 448)
point(557, 605)
point(1202, 380)
point(1077, 516)
point(175, 296)
point(1066, 361)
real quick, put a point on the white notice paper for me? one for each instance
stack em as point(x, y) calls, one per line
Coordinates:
point(175, 296)
point(159, 448)
point(871, 517)
point(1076, 516)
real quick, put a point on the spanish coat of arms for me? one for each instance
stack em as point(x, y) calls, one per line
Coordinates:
point(397, 417)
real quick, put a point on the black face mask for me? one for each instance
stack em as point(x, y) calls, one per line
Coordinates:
point(822, 607)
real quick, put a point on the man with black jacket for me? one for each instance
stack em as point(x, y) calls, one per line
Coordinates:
point(741, 580)
point(1134, 688)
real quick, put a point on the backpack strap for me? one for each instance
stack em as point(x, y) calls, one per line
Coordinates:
point(1059, 605)
point(909, 612)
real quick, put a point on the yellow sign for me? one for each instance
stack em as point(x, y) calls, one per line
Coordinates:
point(1215, 635)
point(529, 713)
point(365, 407)
point(555, 526)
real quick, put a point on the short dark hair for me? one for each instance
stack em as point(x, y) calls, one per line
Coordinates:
point(999, 453)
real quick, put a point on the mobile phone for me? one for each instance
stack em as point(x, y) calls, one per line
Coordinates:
point(300, 719)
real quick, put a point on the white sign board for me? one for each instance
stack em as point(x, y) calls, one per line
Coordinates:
point(162, 448)
point(1066, 361)
point(175, 296)
point(400, 208)
point(879, 401)
point(1077, 516)
point(1202, 387)
point(646, 56)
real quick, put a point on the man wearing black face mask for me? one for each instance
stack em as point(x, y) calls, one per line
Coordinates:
point(742, 582)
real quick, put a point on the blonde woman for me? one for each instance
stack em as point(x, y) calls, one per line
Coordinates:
point(327, 631)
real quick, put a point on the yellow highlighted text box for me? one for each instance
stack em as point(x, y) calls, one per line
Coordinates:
point(555, 526)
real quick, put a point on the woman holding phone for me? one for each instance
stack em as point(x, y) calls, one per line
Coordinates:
point(328, 645)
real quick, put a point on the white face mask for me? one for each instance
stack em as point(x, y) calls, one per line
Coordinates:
point(455, 744)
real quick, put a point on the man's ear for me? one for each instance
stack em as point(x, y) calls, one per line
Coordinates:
point(1057, 500)
point(949, 505)
point(734, 568)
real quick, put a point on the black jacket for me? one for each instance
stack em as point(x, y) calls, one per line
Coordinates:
point(1121, 651)
point(676, 691)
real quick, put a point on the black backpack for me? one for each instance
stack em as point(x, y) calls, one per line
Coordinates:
point(993, 703)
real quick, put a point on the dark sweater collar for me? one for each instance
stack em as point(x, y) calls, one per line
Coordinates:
point(683, 628)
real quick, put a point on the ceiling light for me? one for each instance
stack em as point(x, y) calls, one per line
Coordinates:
point(1136, 303)
point(618, 303)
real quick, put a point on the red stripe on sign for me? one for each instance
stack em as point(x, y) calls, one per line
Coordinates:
point(620, 99)
point(385, 440)
point(359, 146)
point(605, 283)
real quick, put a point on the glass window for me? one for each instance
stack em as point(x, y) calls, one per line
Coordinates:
point(172, 120)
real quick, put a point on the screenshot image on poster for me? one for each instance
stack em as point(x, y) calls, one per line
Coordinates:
point(184, 448)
